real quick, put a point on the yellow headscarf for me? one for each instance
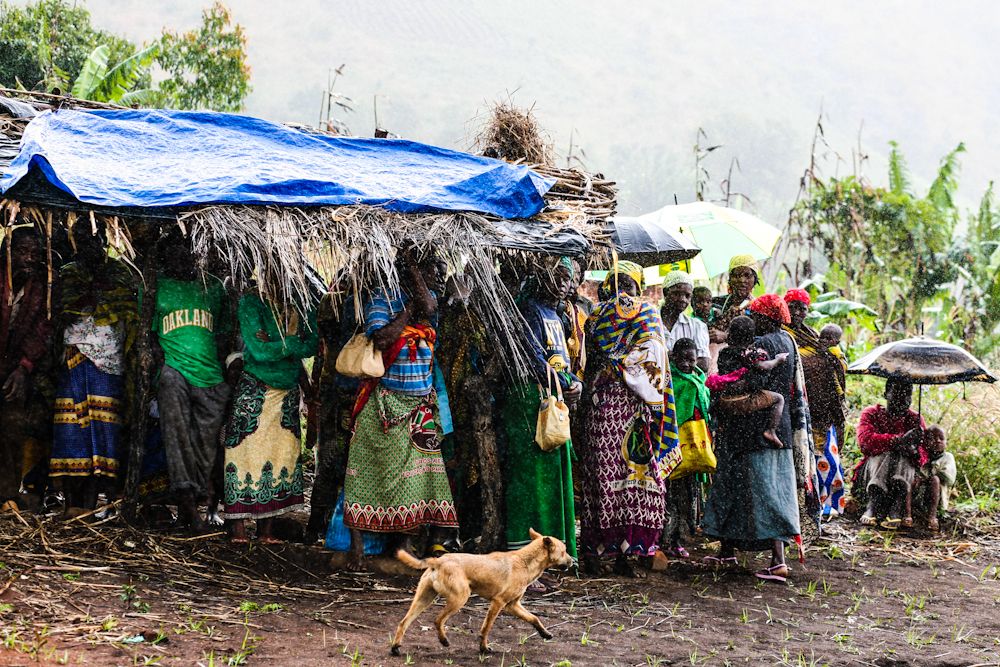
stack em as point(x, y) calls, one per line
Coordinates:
point(625, 268)
point(745, 260)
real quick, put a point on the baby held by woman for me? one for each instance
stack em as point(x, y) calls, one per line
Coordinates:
point(742, 369)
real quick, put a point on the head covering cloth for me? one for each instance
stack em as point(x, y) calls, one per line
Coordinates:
point(772, 307)
point(799, 295)
point(738, 261)
point(625, 268)
point(677, 278)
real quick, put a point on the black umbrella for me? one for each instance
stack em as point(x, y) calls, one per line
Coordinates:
point(922, 360)
point(648, 243)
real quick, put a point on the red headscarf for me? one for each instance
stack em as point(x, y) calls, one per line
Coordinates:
point(799, 295)
point(773, 307)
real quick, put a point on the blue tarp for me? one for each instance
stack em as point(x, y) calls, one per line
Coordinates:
point(157, 158)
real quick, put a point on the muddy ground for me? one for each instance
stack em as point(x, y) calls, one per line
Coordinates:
point(109, 595)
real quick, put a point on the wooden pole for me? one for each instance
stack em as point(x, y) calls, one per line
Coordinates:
point(490, 474)
point(140, 407)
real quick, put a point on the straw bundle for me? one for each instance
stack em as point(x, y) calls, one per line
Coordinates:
point(513, 134)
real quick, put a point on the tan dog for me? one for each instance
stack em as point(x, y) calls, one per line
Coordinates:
point(500, 577)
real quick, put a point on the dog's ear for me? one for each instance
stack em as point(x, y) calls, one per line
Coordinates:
point(548, 543)
point(533, 534)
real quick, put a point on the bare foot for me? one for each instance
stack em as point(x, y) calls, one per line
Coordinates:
point(268, 539)
point(773, 438)
point(356, 559)
point(933, 525)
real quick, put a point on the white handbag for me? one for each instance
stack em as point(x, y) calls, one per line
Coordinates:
point(552, 428)
point(360, 359)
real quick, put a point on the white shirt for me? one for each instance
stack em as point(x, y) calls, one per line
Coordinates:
point(688, 327)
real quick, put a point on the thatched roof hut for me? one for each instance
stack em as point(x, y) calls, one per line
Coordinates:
point(276, 204)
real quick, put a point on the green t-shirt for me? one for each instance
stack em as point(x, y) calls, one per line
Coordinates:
point(277, 362)
point(189, 315)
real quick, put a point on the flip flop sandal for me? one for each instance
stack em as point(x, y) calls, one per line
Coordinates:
point(776, 573)
point(677, 552)
point(890, 524)
point(868, 520)
point(720, 562)
point(437, 550)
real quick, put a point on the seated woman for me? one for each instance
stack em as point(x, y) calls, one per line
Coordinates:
point(890, 439)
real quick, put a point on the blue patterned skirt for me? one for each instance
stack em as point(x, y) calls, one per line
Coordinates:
point(88, 421)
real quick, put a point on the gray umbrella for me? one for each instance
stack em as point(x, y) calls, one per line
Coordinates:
point(922, 360)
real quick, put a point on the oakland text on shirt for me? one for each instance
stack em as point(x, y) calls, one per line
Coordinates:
point(187, 317)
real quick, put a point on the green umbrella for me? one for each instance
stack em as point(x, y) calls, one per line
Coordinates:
point(720, 232)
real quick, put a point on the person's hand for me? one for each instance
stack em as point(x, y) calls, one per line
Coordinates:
point(262, 336)
point(573, 394)
point(15, 388)
point(780, 358)
point(717, 336)
point(909, 440)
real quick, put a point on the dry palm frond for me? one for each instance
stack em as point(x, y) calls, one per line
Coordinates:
point(274, 243)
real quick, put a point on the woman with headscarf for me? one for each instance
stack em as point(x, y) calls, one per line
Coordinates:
point(744, 275)
point(824, 373)
point(539, 489)
point(630, 433)
point(753, 503)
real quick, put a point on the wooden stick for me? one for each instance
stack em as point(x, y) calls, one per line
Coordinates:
point(140, 409)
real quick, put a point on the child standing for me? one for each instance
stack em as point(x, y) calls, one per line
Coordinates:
point(691, 399)
point(741, 366)
point(937, 476)
point(701, 304)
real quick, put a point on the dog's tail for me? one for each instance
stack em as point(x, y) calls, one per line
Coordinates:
point(408, 559)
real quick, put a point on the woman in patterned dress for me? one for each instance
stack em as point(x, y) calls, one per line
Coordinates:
point(396, 480)
point(263, 470)
point(630, 435)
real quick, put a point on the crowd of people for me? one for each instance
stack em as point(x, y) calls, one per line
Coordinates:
point(666, 397)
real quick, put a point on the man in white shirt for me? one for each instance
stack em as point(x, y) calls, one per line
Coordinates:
point(677, 291)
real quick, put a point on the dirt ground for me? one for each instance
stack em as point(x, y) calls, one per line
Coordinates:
point(110, 595)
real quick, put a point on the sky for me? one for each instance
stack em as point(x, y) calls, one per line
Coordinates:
point(631, 83)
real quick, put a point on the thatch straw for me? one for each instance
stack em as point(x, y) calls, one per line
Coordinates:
point(513, 134)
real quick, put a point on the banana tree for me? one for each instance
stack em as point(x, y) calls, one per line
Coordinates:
point(118, 84)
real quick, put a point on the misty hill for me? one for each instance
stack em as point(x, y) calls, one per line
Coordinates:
point(634, 80)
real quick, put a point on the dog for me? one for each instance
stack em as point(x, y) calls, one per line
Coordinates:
point(500, 577)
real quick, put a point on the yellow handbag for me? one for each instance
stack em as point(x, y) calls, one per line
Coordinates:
point(552, 428)
point(360, 359)
point(696, 449)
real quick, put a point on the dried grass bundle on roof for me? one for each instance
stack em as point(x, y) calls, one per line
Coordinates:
point(513, 134)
